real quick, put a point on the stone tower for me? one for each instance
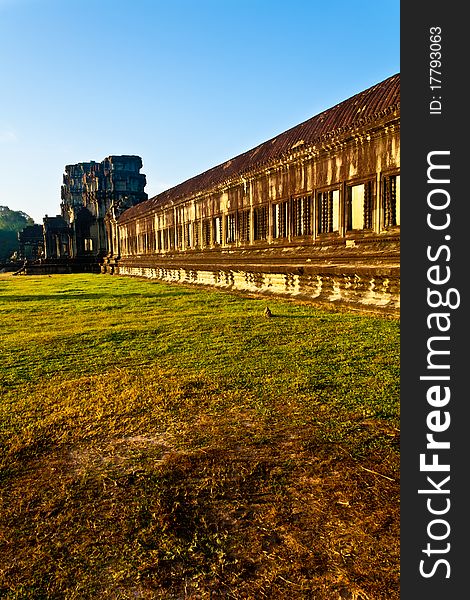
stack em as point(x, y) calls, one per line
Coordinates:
point(92, 194)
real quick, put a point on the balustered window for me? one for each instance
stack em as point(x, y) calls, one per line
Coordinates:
point(206, 232)
point(391, 200)
point(187, 235)
point(179, 236)
point(230, 229)
point(171, 237)
point(280, 220)
point(196, 234)
point(260, 223)
point(217, 230)
point(301, 217)
point(244, 226)
point(359, 206)
point(328, 211)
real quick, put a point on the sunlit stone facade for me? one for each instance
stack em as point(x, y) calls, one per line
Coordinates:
point(312, 213)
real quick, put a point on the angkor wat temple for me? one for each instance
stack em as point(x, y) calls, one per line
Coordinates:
point(92, 193)
point(312, 213)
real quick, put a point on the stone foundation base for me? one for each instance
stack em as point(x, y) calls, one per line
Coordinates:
point(361, 290)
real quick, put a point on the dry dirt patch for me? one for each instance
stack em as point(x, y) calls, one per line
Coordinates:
point(271, 514)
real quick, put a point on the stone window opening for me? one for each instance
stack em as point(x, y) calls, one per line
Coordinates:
point(217, 230)
point(244, 226)
point(301, 216)
point(206, 232)
point(196, 234)
point(359, 206)
point(187, 235)
point(171, 238)
point(280, 212)
point(328, 211)
point(179, 237)
point(230, 228)
point(260, 223)
point(165, 240)
point(391, 200)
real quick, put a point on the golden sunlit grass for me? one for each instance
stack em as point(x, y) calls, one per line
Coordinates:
point(161, 441)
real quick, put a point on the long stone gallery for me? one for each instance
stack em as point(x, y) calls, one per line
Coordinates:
point(312, 213)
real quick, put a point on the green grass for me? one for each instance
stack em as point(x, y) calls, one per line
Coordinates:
point(162, 441)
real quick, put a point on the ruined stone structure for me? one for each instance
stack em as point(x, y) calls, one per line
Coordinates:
point(57, 238)
point(92, 195)
point(30, 243)
point(313, 212)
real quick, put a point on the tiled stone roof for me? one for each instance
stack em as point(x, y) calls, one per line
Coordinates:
point(367, 106)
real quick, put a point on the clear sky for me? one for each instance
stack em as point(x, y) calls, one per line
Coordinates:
point(185, 85)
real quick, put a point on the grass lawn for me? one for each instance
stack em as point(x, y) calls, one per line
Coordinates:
point(163, 441)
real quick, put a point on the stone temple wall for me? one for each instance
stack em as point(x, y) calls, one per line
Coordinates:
point(313, 213)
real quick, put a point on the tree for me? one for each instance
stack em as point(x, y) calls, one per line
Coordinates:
point(11, 221)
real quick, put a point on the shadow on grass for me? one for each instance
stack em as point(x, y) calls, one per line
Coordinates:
point(287, 316)
point(65, 295)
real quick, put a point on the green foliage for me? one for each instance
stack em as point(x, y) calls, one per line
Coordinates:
point(11, 221)
point(8, 244)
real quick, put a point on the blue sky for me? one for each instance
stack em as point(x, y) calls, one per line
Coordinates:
point(185, 85)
